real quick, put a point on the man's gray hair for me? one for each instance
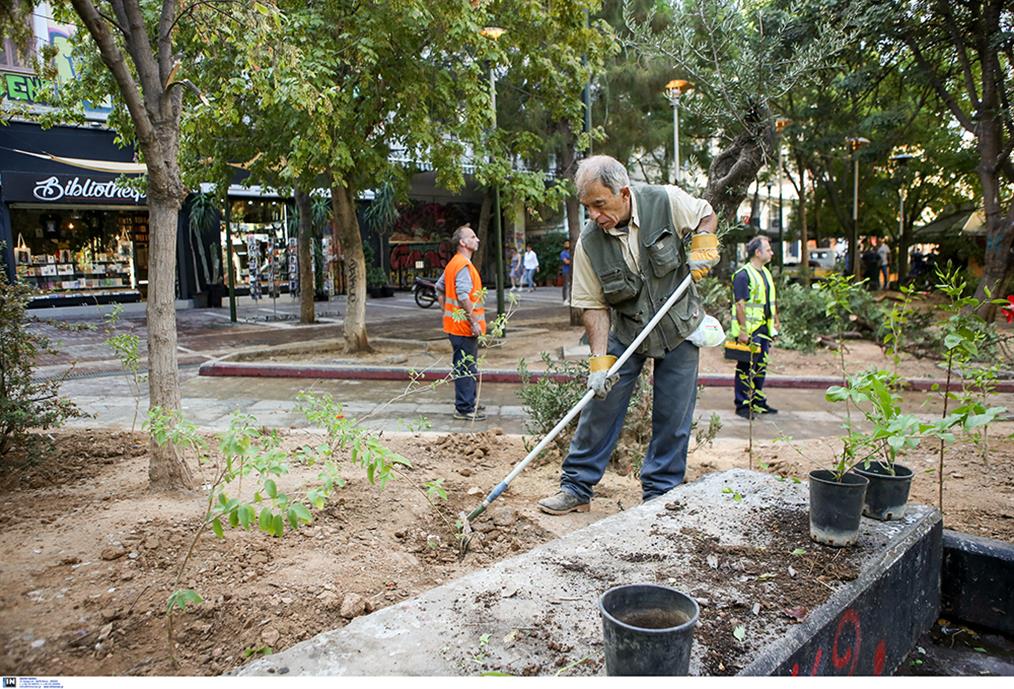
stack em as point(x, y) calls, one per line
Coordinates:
point(456, 237)
point(755, 244)
point(603, 169)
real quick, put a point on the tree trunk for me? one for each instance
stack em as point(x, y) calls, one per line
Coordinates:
point(568, 161)
point(307, 287)
point(729, 178)
point(167, 470)
point(733, 169)
point(804, 231)
point(343, 204)
point(904, 242)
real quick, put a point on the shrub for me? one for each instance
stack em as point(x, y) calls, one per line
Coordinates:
point(716, 297)
point(546, 401)
point(25, 402)
point(548, 247)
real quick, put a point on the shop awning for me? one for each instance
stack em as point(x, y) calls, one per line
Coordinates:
point(946, 226)
point(110, 166)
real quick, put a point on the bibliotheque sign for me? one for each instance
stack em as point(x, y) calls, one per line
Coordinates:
point(19, 187)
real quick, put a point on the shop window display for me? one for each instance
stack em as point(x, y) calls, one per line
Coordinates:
point(258, 246)
point(88, 256)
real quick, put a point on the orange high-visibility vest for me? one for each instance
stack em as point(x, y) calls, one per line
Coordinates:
point(462, 327)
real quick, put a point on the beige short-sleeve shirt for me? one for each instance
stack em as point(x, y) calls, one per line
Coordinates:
point(687, 212)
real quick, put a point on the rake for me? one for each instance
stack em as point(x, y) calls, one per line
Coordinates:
point(466, 519)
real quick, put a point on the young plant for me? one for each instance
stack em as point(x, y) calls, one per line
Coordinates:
point(245, 453)
point(127, 347)
point(897, 322)
point(966, 338)
point(888, 431)
point(840, 291)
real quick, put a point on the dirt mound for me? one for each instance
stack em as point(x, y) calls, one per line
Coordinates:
point(92, 555)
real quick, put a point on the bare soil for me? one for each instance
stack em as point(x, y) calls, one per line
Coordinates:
point(91, 555)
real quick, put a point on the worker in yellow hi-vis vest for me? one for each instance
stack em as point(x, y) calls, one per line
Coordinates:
point(754, 321)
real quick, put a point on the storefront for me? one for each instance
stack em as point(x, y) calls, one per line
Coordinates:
point(75, 236)
point(77, 239)
point(260, 246)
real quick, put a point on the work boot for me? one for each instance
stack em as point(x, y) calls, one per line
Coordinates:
point(765, 409)
point(562, 503)
point(743, 412)
point(470, 416)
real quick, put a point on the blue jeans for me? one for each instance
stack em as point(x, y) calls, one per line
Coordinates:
point(755, 369)
point(529, 278)
point(465, 369)
point(674, 396)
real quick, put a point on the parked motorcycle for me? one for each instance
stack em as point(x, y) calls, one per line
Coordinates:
point(425, 292)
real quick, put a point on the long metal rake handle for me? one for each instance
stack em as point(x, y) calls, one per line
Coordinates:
point(583, 402)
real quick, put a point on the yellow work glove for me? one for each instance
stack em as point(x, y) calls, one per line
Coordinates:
point(704, 254)
point(599, 379)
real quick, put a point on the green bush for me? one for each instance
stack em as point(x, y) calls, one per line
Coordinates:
point(802, 314)
point(546, 401)
point(716, 296)
point(26, 403)
point(548, 248)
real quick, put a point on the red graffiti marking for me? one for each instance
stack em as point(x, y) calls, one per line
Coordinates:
point(795, 669)
point(816, 663)
point(851, 654)
point(878, 658)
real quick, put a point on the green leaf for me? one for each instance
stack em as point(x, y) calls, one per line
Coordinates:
point(302, 513)
point(278, 526)
point(798, 551)
point(181, 598)
point(265, 520)
point(216, 526)
point(246, 515)
point(739, 632)
point(270, 489)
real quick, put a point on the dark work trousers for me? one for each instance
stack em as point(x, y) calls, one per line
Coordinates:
point(754, 370)
point(465, 370)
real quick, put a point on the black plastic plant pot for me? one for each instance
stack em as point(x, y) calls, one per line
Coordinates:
point(648, 630)
point(887, 494)
point(836, 507)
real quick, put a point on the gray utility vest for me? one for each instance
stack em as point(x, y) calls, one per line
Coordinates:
point(634, 299)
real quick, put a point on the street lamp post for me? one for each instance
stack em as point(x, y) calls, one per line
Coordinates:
point(494, 33)
point(673, 90)
point(901, 160)
point(854, 144)
point(780, 124)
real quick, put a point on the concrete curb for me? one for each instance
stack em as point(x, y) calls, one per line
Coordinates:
point(976, 581)
point(894, 602)
point(402, 373)
point(539, 610)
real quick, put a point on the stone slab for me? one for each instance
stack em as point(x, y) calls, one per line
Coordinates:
point(976, 581)
point(538, 612)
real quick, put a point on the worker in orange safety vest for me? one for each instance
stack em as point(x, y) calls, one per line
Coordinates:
point(461, 297)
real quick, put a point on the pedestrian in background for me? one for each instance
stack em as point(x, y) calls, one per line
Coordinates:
point(531, 264)
point(565, 261)
point(459, 291)
point(884, 252)
point(754, 321)
point(517, 270)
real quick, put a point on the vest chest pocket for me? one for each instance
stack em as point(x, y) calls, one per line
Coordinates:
point(664, 253)
point(619, 286)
